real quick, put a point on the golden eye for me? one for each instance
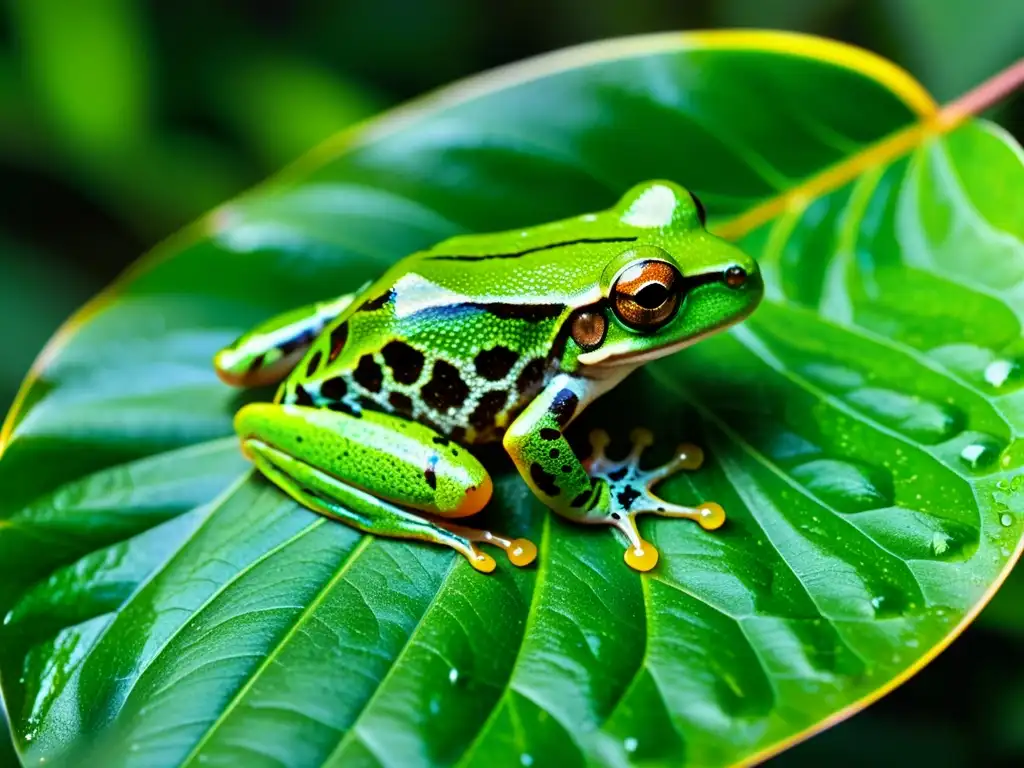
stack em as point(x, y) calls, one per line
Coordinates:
point(588, 328)
point(646, 295)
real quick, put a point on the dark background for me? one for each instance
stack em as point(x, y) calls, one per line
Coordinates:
point(121, 120)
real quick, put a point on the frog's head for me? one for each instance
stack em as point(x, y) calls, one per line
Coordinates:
point(676, 284)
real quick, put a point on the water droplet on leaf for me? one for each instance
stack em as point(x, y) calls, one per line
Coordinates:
point(980, 452)
point(999, 372)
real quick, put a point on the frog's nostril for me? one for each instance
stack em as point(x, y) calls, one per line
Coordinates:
point(735, 276)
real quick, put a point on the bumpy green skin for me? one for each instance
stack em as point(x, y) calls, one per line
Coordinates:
point(470, 342)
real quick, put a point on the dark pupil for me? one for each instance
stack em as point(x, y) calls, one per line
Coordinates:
point(701, 213)
point(651, 296)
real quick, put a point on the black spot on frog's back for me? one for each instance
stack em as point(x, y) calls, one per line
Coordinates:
point(445, 389)
point(487, 409)
point(334, 388)
point(405, 362)
point(401, 403)
point(494, 364)
point(314, 364)
point(532, 376)
point(302, 396)
point(338, 337)
point(368, 374)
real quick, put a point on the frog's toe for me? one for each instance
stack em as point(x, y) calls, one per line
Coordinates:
point(481, 561)
point(640, 555)
point(642, 558)
point(709, 515)
point(520, 552)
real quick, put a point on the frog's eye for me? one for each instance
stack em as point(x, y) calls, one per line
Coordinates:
point(646, 294)
point(702, 214)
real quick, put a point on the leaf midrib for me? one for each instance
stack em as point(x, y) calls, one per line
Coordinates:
point(282, 643)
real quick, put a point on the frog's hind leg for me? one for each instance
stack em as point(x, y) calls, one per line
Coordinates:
point(630, 492)
point(325, 495)
point(269, 352)
point(377, 473)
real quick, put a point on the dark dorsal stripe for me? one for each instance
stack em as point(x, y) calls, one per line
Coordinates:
point(372, 305)
point(533, 313)
point(517, 254)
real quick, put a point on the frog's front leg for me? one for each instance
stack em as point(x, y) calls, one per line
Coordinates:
point(600, 490)
point(268, 352)
point(363, 469)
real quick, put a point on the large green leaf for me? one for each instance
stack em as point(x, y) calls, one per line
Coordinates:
point(863, 429)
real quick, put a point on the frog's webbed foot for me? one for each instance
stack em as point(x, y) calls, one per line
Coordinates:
point(629, 492)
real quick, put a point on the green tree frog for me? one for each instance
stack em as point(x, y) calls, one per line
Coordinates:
point(489, 337)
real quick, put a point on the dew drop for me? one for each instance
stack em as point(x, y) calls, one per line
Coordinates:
point(526, 759)
point(888, 603)
point(980, 452)
point(630, 744)
point(1006, 519)
point(453, 676)
point(995, 369)
point(999, 372)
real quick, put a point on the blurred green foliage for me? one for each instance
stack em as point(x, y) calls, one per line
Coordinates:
point(120, 120)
